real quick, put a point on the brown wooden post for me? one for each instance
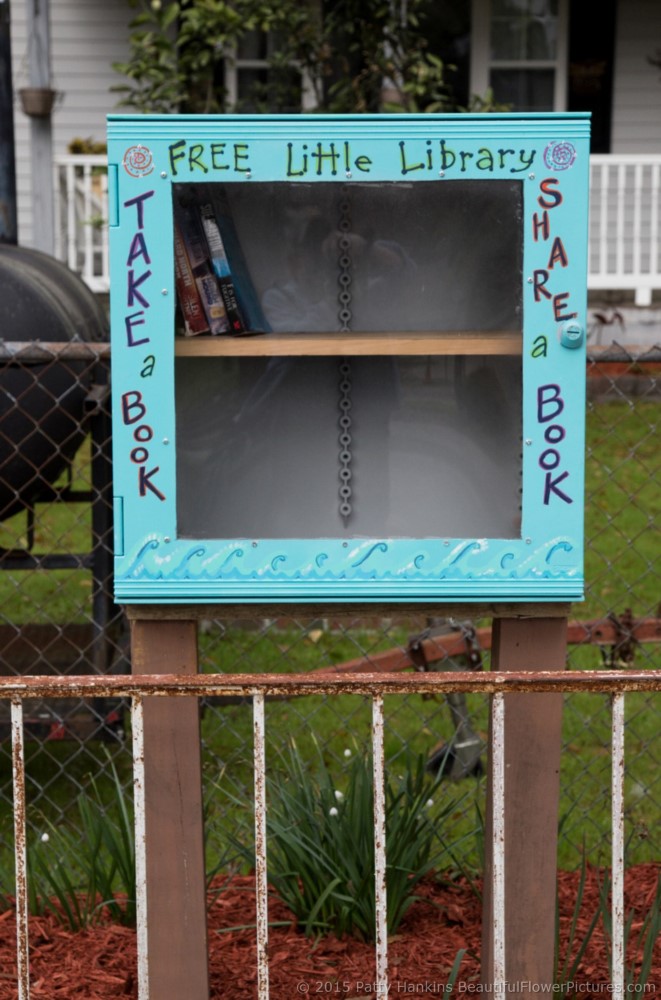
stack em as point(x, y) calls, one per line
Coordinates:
point(533, 737)
point(176, 893)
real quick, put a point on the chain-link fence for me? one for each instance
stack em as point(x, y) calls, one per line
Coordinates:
point(57, 616)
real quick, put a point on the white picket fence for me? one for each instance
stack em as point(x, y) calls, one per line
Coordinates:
point(625, 222)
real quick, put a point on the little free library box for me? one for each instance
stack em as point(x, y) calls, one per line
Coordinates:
point(348, 357)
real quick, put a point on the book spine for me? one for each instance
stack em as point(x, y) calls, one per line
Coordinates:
point(250, 305)
point(188, 295)
point(212, 302)
point(195, 248)
point(221, 267)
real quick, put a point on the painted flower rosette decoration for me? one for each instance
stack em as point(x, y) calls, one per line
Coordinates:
point(559, 155)
point(138, 161)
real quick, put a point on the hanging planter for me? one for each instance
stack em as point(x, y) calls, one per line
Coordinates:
point(37, 102)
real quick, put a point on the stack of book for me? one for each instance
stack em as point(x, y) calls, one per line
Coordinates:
point(214, 291)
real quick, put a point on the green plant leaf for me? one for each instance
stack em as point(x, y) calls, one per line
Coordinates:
point(321, 844)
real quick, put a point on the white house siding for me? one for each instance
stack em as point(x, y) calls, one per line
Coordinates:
point(87, 36)
point(637, 91)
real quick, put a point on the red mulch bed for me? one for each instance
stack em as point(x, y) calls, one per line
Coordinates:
point(99, 963)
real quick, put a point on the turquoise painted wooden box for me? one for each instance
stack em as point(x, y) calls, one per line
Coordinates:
point(348, 357)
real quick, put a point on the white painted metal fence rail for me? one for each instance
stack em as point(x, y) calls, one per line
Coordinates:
point(625, 222)
point(615, 683)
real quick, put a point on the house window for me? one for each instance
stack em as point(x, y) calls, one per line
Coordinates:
point(256, 82)
point(520, 52)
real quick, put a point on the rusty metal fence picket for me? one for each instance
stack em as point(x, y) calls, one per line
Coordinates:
point(57, 617)
point(614, 685)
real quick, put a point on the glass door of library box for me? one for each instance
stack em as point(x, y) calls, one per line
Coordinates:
point(348, 357)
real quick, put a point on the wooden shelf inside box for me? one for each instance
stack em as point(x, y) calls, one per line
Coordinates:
point(350, 344)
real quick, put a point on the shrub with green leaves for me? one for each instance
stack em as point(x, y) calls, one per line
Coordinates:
point(321, 842)
point(177, 50)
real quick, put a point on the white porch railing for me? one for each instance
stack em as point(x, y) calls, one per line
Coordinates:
point(81, 217)
point(625, 222)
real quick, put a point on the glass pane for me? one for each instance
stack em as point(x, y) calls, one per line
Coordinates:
point(523, 8)
point(253, 45)
point(524, 90)
point(447, 28)
point(434, 446)
point(250, 81)
point(507, 40)
point(259, 45)
point(375, 257)
point(261, 443)
point(271, 89)
point(524, 31)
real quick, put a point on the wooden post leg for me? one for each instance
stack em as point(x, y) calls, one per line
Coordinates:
point(533, 739)
point(176, 891)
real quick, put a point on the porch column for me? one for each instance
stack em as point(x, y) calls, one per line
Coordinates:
point(41, 131)
point(8, 224)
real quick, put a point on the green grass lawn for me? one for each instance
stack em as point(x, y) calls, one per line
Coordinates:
point(44, 596)
point(623, 509)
